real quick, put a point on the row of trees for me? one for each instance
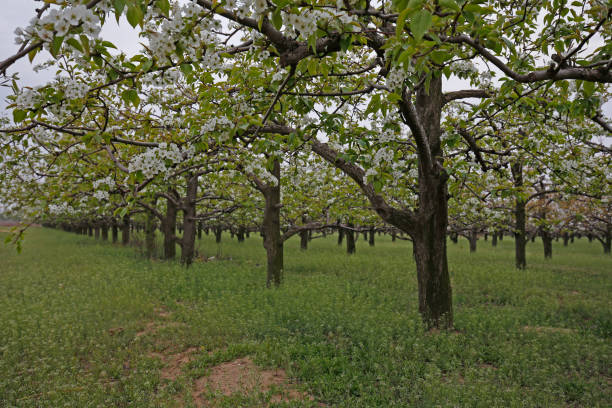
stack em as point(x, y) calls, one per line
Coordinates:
point(319, 112)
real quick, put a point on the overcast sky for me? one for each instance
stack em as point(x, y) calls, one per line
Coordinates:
point(17, 13)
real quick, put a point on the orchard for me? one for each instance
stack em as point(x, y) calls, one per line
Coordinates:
point(237, 128)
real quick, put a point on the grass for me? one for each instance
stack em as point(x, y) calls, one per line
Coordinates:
point(345, 328)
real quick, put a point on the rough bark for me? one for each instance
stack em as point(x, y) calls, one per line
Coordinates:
point(304, 240)
point(218, 234)
point(473, 238)
point(271, 228)
point(520, 234)
point(429, 237)
point(547, 241)
point(125, 230)
point(350, 239)
point(115, 232)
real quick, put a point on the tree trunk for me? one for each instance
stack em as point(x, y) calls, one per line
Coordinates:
point(150, 235)
point(371, 238)
point(350, 239)
point(97, 231)
point(365, 235)
point(115, 232)
point(218, 234)
point(473, 239)
point(547, 241)
point(271, 228)
point(486, 236)
point(520, 218)
point(189, 220)
point(125, 230)
point(340, 235)
point(393, 236)
point(565, 238)
point(240, 234)
point(494, 239)
point(607, 239)
point(304, 240)
point(104, 231)
point(429, 236)
point(199, 230)
point(169, 228)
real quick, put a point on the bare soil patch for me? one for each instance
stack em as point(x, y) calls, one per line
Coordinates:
point(242, 376)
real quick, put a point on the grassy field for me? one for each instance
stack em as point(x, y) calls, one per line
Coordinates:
point(89, 324)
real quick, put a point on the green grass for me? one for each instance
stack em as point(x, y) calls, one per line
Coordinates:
point(345, 328)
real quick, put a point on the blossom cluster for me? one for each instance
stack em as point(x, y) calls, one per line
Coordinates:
point(156, 160)
point(58, 22)
point(464, 68)
point(256, 168)
point(101, 195)
point(108, 181)
point(395, 78)
point(75, 89)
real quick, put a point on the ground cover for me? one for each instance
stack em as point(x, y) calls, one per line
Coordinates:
point(85, 323)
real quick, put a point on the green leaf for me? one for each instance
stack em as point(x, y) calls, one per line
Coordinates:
point(588, 87)
point(401, 21)
point(118, 5)
point(277, 19)
point(19, 115)
point(312, 67)
point(56, 44)
point(439, 57)
point(420, 23)
point(32, 54)
point(131, 96)
point(75, 44)
point(346, 41)
point(134, 15)
point(186, 69)
point(451, 4)
point(164, 6)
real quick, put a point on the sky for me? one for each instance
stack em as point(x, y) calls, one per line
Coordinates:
point(17, 13)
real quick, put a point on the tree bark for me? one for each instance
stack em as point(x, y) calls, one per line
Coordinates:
point(271, 228)
point(473, 238)
point(218, 234)
point(520, 239)
point(547, 241)
point(340, 235)
point(371, 238)
point(240, 234)
point(97, 231)
point(125, 230)
point(565, 238)
point(199, 230)
point(189, 220)
point(115, 232)
point(304, 240)
point(104, 231)
point(350, 239)
point(494, 239)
